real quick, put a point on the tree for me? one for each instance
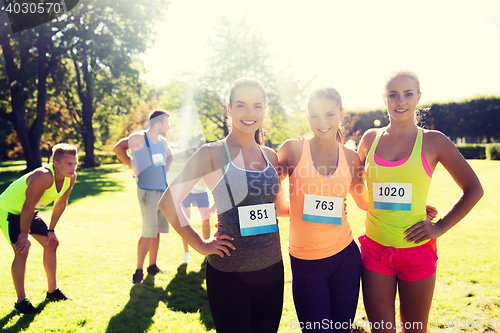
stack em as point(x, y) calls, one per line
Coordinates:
point(29, 58)
point(102, 39)
point(238, 52)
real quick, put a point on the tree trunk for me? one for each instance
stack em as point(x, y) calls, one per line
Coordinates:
point(87, 114)
point(16, 81)
point(37, 127)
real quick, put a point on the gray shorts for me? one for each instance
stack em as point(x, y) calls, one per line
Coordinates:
point(153, 221)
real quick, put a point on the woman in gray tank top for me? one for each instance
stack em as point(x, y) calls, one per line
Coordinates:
point(245, 276)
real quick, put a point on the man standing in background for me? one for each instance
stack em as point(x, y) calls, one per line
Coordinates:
point(152, 157)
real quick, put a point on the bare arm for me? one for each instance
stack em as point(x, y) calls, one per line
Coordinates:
point(464, 177)
point(170, 205)
point(283, 201)
point(169, 155)
point(357, 189)
point(60, 204)
point(120, 150)
point(365, 145)
point(38, 183)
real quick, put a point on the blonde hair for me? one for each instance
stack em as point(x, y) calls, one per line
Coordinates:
point(63, 148)
point(421, 109)
point(406, 73)
point(329, 93)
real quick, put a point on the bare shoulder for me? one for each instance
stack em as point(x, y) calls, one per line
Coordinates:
point(293, 143)
point(41, 177)
point(351, 156)
point(208, 153)
point(367, 141)
point(436, 140)
point(434, 136)
point(438, 146)
point(370, 135)
point(271, 154)
point(136, 141)
point(291, 147)
point(168, 147)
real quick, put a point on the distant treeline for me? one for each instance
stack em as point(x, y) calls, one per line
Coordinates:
point(477, 120)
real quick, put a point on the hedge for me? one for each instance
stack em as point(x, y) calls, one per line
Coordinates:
point(474, 152)
point(493, 151)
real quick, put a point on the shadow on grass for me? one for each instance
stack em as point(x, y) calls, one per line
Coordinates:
point(137, 315)
point(24, 321)
point(184, 293)
point(7, 177)
point(94, 181)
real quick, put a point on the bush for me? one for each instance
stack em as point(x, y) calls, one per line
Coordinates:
point(101, 157)
point(493, 151)
point(474, 152)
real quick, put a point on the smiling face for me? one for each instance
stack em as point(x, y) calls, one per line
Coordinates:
point(401, 97)
point(324, 115)
point(247, 109)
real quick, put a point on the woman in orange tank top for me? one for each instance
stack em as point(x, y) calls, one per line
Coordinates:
point(325, 260)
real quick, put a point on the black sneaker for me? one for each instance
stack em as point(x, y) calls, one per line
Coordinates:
point(137, 277)
point(153, 270)
point(57, 295)
point(25, 307)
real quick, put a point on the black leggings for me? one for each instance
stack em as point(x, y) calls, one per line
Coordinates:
point(246, 302)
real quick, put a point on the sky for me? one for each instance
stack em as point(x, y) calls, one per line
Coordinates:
point(453, 46)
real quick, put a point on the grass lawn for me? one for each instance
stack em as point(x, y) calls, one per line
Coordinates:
point(99, 232)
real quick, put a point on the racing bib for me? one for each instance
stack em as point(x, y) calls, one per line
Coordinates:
point(158, 159)
point(392, 196)
point(322, 209)
point(257, 219)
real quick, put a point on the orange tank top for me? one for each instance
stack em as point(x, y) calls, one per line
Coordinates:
point(318, 221)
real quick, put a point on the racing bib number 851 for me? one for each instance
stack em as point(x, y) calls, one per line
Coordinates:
point(257, 219)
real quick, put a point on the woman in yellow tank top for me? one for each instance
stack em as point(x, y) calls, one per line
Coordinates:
point(398, 249)
point(325, 260)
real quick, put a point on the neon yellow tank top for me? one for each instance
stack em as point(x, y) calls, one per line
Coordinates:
point(13, 198)
point(397, 196)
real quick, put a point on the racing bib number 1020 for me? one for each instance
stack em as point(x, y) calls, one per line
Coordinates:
point(392, 196)
point(322, 209)
point(257, 219)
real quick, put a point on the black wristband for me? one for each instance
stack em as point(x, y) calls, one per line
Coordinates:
point(51, 230)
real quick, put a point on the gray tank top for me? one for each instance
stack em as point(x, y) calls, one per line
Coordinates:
point(236, 188)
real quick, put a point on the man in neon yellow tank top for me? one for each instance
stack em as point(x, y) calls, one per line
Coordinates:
point(19, 205)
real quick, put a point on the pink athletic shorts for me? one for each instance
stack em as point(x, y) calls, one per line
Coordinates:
point(408, 264)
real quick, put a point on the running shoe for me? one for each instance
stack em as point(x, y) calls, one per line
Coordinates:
point(137, 277)
point(25, 306)
point(57, 295)
point(186, 258)
point(153, 270)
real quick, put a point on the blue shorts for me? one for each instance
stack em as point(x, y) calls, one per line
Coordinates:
point(196, 199)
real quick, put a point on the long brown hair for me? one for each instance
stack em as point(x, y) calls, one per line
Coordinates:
point(252, 82)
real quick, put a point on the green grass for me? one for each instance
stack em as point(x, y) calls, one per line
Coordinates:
point(99, 233)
